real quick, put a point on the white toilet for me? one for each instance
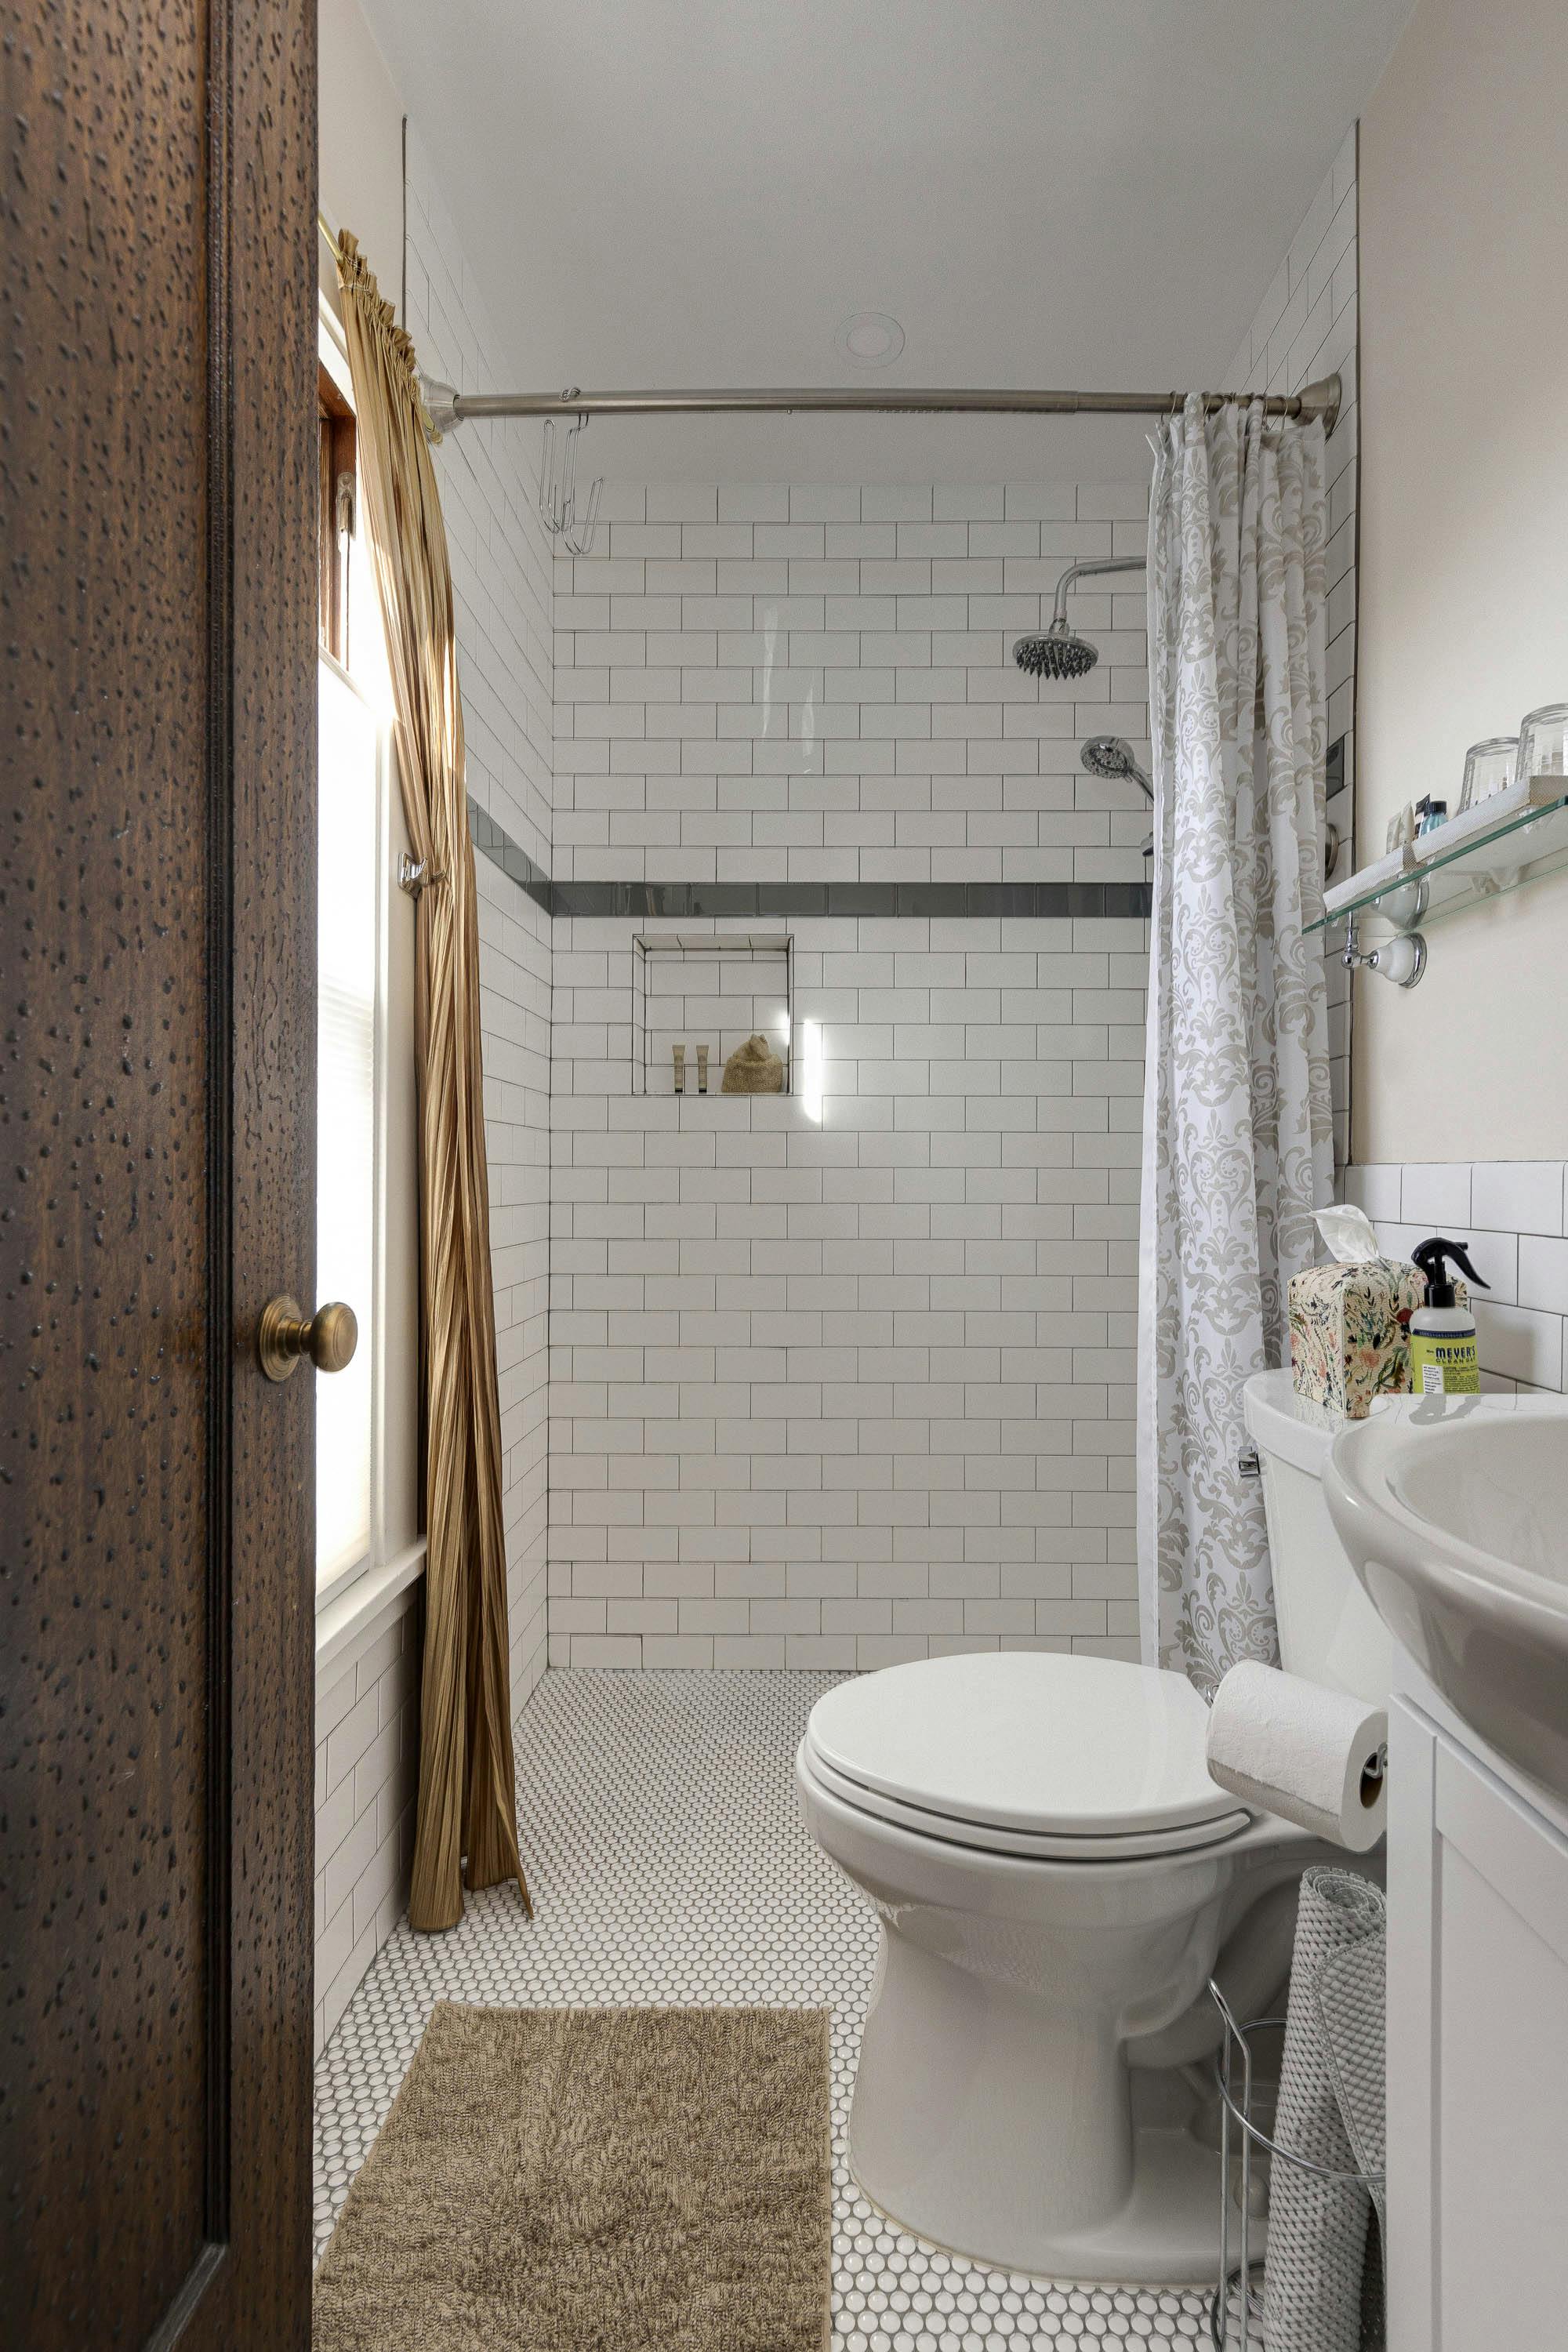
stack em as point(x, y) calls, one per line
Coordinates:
point(1056, 1875)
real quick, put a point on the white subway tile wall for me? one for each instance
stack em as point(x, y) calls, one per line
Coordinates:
point(501, 580)
point(367, 1718)
point(781, 682)
point(1306, 328)
point(848, 1378)
point(1510, 1216)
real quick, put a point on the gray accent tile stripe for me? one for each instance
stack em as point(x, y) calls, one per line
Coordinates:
point(1082, 900)
point(502, 851)
point(827, 898)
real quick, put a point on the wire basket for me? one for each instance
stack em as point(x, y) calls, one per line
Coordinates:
point(1236, 2314)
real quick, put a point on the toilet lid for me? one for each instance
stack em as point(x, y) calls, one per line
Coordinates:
point(1028, 1741)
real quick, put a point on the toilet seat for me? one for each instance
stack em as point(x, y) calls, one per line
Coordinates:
point(1031, 1753)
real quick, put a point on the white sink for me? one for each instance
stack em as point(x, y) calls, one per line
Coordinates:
point(1454, 1511)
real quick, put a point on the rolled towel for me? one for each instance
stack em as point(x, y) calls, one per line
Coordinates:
point(1317, 2228)
point(1312, 1755)
point(1353, 2010)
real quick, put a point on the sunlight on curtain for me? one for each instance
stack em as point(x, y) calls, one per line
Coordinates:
point(345, 1112)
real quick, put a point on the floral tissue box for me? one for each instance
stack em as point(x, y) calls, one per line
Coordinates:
point(1350, 1332)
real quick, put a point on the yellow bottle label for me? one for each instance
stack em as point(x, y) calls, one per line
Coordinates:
point(1444, 1363)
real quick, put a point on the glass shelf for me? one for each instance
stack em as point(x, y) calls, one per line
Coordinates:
point(1523, 847)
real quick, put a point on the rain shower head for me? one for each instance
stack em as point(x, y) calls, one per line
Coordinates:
point(1058, 654)
point(1108, 757)
point(1058, 651)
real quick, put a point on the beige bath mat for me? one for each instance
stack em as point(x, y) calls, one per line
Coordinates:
point(593, 2180)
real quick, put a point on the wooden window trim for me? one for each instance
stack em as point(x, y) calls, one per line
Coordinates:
point(335, 457)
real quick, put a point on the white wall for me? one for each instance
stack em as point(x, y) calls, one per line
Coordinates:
point(360, 146)
point(1464, 192)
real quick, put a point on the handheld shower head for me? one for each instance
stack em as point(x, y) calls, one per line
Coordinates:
point(1108, 757)
point(1058, 651)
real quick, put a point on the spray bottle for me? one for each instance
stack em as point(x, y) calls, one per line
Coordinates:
point(1443, 1361)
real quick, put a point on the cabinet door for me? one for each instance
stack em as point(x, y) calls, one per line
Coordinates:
point(1477, 2056)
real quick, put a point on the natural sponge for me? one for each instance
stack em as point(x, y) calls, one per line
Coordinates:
point(753, 1068)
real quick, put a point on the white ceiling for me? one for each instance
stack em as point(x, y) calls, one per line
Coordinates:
point(1089, 193)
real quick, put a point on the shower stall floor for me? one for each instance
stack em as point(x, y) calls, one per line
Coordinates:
point(668, 1864)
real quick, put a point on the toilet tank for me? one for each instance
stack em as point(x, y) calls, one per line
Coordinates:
point(1328, 1629)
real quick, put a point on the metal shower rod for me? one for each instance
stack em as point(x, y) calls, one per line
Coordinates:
point(448, 407)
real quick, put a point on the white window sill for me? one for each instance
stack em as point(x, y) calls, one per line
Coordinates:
point(353, 1618)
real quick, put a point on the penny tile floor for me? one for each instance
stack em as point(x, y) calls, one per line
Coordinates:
point(668, 1863)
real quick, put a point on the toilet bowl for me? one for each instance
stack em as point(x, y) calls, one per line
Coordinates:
point(1056, 1877)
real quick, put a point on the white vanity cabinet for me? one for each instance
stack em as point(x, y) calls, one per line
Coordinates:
point(1478, 2042)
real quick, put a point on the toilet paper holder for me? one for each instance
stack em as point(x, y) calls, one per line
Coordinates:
point(1236, 2314)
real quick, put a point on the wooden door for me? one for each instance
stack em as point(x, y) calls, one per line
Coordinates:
point(157, 910)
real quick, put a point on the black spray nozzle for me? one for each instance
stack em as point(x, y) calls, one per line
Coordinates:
point(1432, 1257)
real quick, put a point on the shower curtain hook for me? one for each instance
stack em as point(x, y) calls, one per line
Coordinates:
point(558, 485)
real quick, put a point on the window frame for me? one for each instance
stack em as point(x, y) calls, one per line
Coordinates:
point(355, 1596)
point(337, 462)
point(381, 1066)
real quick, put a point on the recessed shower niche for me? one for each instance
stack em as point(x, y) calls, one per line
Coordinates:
point(709, 988)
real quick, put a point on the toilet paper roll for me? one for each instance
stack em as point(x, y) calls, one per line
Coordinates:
point(1314, 1755)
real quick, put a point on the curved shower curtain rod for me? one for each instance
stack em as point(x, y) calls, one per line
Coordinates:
point(448, 407)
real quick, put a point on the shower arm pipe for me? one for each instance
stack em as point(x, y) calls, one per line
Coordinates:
point(1080, 570)
point(448, 408)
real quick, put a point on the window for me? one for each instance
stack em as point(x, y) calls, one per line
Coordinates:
point(348, 1014)
point(366, 1416)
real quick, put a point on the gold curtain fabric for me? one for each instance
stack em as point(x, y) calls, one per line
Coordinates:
point(467, 1797)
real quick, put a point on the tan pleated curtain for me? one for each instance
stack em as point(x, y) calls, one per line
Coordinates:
point(467, 1798)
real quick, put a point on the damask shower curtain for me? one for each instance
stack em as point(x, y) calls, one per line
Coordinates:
point(1237, 1140)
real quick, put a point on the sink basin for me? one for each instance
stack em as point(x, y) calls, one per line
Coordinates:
point(1454, 1511)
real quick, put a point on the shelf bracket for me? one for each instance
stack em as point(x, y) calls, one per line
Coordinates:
point(1402, 960)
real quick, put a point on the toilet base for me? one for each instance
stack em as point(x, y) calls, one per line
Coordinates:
point(1008, 2126)
point(1026, 2091)
point(1166, 2234)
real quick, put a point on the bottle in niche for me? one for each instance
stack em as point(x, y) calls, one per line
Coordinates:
point(680, 1052)
point(702, 1069)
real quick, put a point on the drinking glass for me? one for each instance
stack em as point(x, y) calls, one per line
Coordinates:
point(1543, 741)
point(1489, 766)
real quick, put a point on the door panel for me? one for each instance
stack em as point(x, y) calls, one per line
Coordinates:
point(157, 385)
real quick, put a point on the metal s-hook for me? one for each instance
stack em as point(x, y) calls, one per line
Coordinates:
point(557, 489)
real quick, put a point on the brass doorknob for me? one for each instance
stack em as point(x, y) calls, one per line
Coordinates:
point(329, 1336)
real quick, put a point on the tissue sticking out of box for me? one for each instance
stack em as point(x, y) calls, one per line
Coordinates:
point(1348, 1232)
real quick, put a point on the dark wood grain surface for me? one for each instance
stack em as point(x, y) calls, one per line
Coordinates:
point(270, 438)
point(156, 933)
